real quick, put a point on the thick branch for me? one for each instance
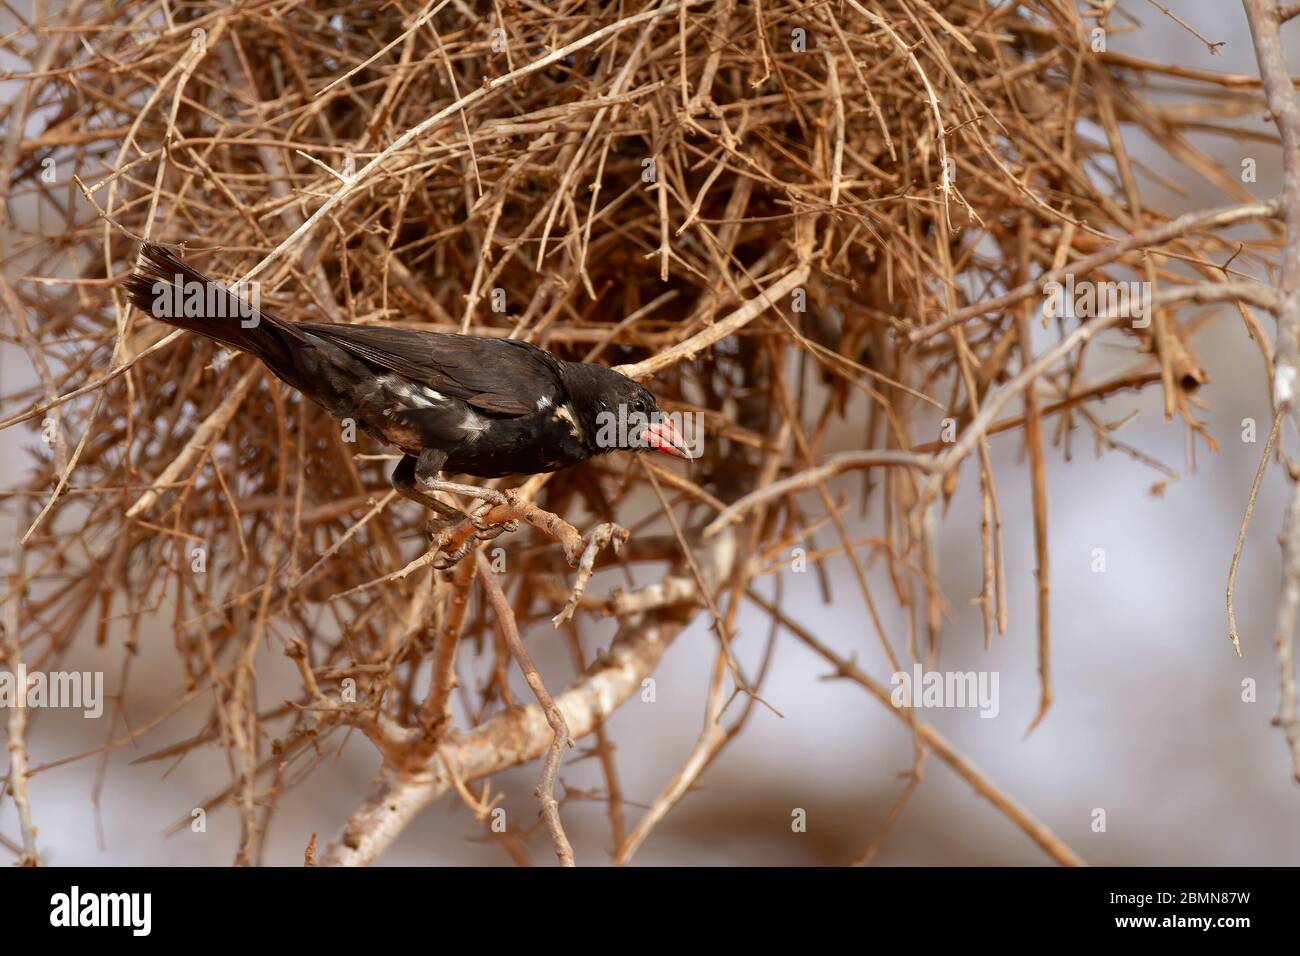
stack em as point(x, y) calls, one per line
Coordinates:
point(1265, 29)
point(508, 739)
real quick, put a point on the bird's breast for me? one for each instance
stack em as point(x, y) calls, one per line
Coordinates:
point(532, 444)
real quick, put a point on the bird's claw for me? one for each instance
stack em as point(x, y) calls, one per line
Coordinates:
point(446, 562)
point(476, 518)
point(486, 532)
point(493, 499)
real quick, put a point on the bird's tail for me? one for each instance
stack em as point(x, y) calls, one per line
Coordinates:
point(178, 294)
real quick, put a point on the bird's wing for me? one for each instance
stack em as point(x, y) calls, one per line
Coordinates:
point(501, 377)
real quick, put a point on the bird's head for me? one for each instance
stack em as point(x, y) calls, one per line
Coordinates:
point(616, 413)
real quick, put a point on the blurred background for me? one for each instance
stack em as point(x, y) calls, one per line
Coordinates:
point(1148, 724)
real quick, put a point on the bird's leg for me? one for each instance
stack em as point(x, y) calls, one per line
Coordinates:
point(403, 482)
point(426, 470)
point(426, 473)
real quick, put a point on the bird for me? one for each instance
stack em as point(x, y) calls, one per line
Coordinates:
point(450, 403)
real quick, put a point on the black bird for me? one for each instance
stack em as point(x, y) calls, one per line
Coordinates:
point(452, 403)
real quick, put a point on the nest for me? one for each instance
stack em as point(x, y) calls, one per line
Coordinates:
point(822, 228)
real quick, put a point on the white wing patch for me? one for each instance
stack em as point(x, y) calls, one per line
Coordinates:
point(417, 396)
point(473, 424)
point(565, 413)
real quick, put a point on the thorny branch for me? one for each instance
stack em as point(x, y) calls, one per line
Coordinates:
point(560, 741)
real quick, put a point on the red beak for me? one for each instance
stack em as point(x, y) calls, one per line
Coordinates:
point(664, 438)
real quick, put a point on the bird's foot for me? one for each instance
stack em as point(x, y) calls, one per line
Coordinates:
point(486, 532)
point(442, 532)
point(449, 559)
